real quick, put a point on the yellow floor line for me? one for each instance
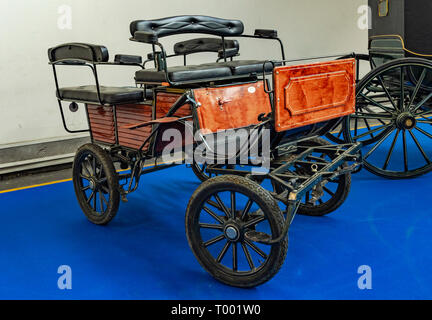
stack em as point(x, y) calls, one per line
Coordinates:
point(63, 181)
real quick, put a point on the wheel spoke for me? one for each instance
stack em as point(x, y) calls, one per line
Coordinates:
point(380, 142)
point(104, 200)
point(256, 249)
point(91, 197)
point(417, 88)
point(214, 240)
point(420, 104)
point(214, 215)
point(233, 204)
point(101, 202)
point(377, 104)
point(328, 191)
point(95, 201)
point(405, 150)
point(235, 257)
point(84, 165)
point(246, 209)
point(420, 147)
point(402, 84)
point(223, 252)
point(254, 222)
point(84, 177)
point(372, 131)
point(214, 204)
point(368, 127)
point(424, 132)
point(248, 256)
point(85, 188)
point(222, 205)
point(387, 92)
point(211, 226)
point(391, 150)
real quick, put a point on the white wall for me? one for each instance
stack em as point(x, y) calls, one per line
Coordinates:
point(28, 107)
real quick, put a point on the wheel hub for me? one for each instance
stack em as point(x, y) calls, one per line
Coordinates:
point(92, 184)
point(406, 121)
point(232, 233)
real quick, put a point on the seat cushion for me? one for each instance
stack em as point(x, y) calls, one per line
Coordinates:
point(243, 67)
point(209, 71)
point(109, 95)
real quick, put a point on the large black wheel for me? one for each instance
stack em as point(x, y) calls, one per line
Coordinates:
point(393, 119)
point(329, 194)
point(96, 184)
point(219, 216)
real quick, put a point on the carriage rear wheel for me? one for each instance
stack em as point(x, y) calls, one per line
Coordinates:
point(393, 119)
point(328, 195)
point(96, 184)
point(221, 214)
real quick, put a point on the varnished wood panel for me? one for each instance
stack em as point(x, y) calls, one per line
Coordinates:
point(102, 123)
point(164, 103)
point(130, 114)
point(313, 93)
point(231, 107)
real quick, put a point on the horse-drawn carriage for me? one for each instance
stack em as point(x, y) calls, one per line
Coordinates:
point(237, 222)
point(393, 115)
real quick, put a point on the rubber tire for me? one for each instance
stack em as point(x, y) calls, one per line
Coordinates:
point(337, 200)
point(275, 218)
point(112, 182)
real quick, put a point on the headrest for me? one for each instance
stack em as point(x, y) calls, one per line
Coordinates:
point(189, 24)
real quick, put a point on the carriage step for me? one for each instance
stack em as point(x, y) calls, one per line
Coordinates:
point(256, 236)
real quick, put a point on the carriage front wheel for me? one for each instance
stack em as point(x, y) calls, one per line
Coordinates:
point(220, 215)
point(96, 184)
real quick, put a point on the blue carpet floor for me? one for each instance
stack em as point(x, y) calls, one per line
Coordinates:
point(143, 253)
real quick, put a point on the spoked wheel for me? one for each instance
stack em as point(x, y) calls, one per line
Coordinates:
point(393, 119)
point(328, 195)
point(96, 184)
point(220, 214)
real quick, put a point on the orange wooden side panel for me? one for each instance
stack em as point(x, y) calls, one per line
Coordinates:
point(131, 114)
point(231, 107)
point(165, 101)
point(102, 123)
point(313, 93)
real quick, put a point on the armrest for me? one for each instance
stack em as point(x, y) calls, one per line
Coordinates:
point(229, 53)
point(146, 37)
point(266, 33)
point(128, 59)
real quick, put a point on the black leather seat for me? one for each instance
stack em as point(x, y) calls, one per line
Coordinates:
point(109, 95)
point(204, 72)
point(210, 71)
point(244, 67)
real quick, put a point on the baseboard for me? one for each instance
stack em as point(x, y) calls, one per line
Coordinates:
point(39, 155)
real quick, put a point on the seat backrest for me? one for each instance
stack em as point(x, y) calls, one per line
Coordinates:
point(189, 24)
point(79, 51)
point(204, 45)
